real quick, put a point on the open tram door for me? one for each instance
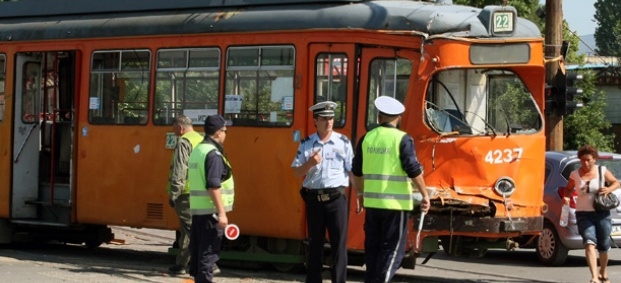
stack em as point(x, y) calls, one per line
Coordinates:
point(334, 67)
point(43, 146)
point(390, 71)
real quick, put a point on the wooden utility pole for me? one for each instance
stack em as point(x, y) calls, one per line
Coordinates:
point(553, 41)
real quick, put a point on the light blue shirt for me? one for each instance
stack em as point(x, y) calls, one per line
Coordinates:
point(336, 159)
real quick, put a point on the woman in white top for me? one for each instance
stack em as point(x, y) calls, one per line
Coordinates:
point(594, 226)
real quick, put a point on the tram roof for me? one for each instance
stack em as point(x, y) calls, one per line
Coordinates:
point(72, 19)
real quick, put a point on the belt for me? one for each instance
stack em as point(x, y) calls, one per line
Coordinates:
point(325, 194)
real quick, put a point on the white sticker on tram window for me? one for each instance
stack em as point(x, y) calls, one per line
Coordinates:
point(233, 104)
point(93, 103)
point(137, 149)
point(287, 103)
point(500, 156)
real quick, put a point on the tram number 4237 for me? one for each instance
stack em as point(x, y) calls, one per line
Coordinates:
point(499, 156)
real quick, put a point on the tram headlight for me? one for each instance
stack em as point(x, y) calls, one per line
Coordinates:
point(504, 186)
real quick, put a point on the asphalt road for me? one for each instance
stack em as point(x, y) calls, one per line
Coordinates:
point(141, 256)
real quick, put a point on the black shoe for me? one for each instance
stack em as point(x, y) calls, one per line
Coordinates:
point(176, 270)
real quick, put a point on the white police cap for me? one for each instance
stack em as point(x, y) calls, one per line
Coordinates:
point(324, 109)
point(389, 105)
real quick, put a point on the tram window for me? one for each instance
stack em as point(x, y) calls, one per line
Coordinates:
point(31, 88)
point(119, 87)
point(2, 83)
point(331, 83)
point(481, 102)
point(187, 82)
point(388, 77)
point(259, 85)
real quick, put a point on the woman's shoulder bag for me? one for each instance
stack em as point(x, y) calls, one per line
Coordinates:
point(604, 202)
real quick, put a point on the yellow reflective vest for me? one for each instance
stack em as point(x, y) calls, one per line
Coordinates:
point(386, 184)
point(194, 138)
point(200, 201)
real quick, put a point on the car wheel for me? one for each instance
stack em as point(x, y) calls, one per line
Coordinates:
point(550, 249)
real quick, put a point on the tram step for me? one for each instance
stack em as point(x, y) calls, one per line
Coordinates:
point(38, 222)
point(58, 203)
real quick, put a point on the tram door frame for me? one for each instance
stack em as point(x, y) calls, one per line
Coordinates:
point(355, 239)
point(26, 137)
point(368, 54)
point(43, 131)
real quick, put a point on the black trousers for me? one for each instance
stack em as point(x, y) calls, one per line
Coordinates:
point(330, 215)
point(205, 244)
point(384, 245)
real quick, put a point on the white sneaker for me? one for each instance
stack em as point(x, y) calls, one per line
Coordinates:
point(215, 269)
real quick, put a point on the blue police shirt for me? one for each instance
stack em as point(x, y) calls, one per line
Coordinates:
point(336, 157)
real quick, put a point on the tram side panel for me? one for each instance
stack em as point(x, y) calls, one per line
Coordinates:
point(122, 174)
point(267, 199)
point(123, 170)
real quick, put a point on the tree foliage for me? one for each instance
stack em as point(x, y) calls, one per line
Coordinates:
point(608, 31)
point(589, 125)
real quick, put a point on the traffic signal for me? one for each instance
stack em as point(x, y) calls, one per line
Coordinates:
point(572, 90)
point(551, 96)
point(567, 91)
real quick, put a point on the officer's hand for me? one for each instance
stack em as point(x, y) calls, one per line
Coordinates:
point(425, 204)
point(359, 206)
point(315, 157)
point(223, 220)
point(171, 202)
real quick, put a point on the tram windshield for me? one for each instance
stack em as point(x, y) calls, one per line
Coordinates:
point(480, 102)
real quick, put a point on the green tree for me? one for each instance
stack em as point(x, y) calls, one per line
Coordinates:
point(608, 31)
point(589, 125)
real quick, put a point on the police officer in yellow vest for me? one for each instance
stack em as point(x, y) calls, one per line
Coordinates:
point(179, 189)
point(211, 197)
point(385, 165)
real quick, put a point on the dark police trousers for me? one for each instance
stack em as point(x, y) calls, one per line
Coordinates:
point(329, 211)
point(384, 245)
point(205, 244)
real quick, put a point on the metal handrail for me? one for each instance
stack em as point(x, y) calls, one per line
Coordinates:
point(24, 143)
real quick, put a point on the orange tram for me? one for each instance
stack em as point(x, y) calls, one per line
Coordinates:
point(88, 91)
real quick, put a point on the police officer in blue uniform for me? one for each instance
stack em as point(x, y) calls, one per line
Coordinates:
point(387, 190)
point(325, 159)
